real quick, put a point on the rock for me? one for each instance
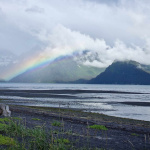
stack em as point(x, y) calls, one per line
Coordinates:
point(4, 110)
point(1, 111)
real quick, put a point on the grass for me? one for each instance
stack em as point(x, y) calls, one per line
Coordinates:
point(3, 127)
point(56, 123)
point(4, 140)
point(36, 119)
point(16, 118)
point(98, 127)
point(4, 119)
point(31, 139)
point(65, 141)
point(19, 137)
point(14, 135)
point(134, 134)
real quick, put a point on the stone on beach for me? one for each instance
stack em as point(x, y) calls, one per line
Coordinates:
point(1, 111)
point(4, 110)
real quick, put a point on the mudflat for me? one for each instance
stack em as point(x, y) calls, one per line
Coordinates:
point(55, 93)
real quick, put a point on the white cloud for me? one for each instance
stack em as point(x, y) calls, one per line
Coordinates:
point(84, 24)
point(127, 21)
point(64, 41)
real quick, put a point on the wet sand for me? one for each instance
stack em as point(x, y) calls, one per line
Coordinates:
point(64, 94)
point(137, 103)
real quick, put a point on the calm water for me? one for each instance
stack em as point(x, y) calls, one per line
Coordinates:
point(107, 102)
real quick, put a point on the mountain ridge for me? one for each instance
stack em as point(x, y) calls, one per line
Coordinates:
point(63, 71)
point(123, 72)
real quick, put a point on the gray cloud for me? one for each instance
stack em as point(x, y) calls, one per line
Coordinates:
point(108, 2)
point(15, 40)
point(124, 21)
point(35, 9)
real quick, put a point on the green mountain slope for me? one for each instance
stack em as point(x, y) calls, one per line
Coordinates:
point(128, 72)
point(58, 72)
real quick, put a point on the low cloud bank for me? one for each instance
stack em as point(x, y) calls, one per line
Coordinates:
point(64, 41)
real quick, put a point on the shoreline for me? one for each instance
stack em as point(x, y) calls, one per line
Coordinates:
point(112, 122)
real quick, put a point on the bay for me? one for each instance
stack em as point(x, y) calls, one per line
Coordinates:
point(126, 101)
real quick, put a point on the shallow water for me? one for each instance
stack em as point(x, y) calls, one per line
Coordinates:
point(108, 101)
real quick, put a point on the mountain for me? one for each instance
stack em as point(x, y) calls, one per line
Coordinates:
point(127, 72)
point(66, 70)
point(1, 81)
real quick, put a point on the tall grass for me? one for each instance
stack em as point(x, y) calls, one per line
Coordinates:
point(14, 135)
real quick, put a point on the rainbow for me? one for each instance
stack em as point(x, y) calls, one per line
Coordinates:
point(32, 63)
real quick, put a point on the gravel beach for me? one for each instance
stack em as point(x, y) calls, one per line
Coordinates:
point(122, 134)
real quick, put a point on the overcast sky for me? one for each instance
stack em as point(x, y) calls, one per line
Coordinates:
point(122, 26)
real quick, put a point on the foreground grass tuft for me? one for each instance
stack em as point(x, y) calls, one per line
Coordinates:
point(56, 123)
point(3, 127)
point(98, 127)
point(37, 119)
point(134, 134)
point(4, 140)
point(65, 141)
point(4, 120)
point(16, 118)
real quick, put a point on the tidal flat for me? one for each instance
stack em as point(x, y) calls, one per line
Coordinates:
point(114, 100)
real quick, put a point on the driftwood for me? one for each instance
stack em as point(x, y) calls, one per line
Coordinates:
point(4, 110)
